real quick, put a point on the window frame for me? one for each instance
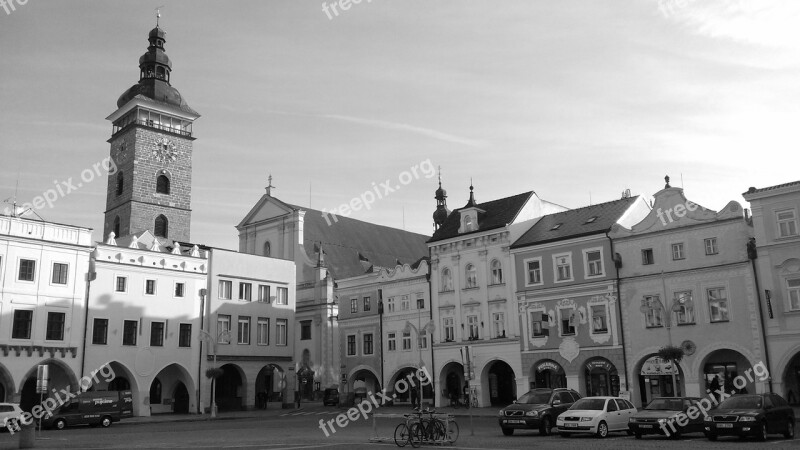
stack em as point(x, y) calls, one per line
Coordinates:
point(496, 270)
point(449, 327)
point(587, 265)
point(778, 222)
point(659, 310)
point(176, 293)
point(499, 317)
point(789, 291)
point(20, 262)
point(223, 319)
point(391, 340)
point(160, 341)
point(281, 332)
point(262, 331)
point(562, 331)
point(470, 276)
point(366, 303)
point(147, 285)
point(406, 341)
point(648, 257)
point(605, 316)
point(447, 280)
point(678, 250)
point(225, 289)
point(351, 345)
point(281, 296)
point(14, 327)
point(688, 308)
point(48, 328)
point(95, 320)
point(117, 279)
point(245, 291)
point(262, 289)
point(243, 330)
point(65, 274)
point(305, 325)
point(368, 345)
point(354, 305)
point(125, 323)
point(556, 273)
point(527, 270)
point(714, 246)
point(473, 324)
point(184, 341)
point(726, 300)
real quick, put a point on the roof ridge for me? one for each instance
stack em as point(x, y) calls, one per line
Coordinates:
point(592, 206)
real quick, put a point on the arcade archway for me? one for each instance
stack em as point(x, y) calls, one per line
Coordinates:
point(499, 381)
point(231, 388)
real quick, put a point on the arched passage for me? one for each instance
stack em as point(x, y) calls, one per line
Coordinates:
point(499, 381)
point(60, 376)
point(721, 369)
point(231, 388)
point(363, 381)
point(654, 376)
point(7, 390)
point(452, 382)
point(268, 386)
point(791, 380)
point(547, 373)
point(170, 390)
point(600, 377)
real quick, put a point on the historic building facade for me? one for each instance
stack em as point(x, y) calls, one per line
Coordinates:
point(570, 328)
point(472, 285)
point(776, 221)
point(686, 281)
point(43, 269)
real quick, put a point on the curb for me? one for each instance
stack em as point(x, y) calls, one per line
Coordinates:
point(196, 418)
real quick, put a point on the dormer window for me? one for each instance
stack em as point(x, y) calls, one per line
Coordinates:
point(591, 219)
point(468, 223)
point(556, 226)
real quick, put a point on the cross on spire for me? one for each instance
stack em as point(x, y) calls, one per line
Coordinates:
point(270, 187)
point(158, 14)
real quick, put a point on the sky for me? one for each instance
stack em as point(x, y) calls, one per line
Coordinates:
point(576, 100)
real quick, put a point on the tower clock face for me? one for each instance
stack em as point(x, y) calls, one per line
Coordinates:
point(165, 150)
point(121, 153)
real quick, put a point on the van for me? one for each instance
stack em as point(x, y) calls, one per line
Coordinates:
point(92, 408)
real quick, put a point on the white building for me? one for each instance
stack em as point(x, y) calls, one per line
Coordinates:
point(43, 270)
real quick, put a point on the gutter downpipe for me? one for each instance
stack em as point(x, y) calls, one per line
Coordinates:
point(619, 313)
point(752, 254)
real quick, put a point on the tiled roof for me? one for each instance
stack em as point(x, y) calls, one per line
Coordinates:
point(498, 213)
point(354, 247)
point(575, 222)
point(753, 190)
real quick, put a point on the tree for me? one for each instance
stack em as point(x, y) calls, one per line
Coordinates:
point(674, 355)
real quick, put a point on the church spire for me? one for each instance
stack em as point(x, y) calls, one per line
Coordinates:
point(441, 213)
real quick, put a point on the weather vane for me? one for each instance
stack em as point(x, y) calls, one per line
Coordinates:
point(158, 14)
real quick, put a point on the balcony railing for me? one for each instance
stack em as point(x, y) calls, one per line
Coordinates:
point(158, 126)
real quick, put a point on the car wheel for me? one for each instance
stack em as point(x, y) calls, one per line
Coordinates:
point(546, 426)
point(762, 432)
point(60, 424)
point(508, 431)
point(789, 434)
point(602, 430)
point(105, 422)
point(564, 434)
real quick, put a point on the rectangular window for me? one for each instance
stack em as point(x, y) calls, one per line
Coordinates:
point(499, 325)
point(423, 341)
point(654, 313)
point(60, 272)
point(390, 304)
point(246, 291)
point(156, 334)
point(537, 323)
point(787, 223)
point(150, 287)
point(392, 341)
point(223, 329)
point(367, 303)
point(179, 287)
point(185, 335)
point(351, 345)
point(599, 319)
point(353, 305)
point(243, 331)
point(420, 301)
point(281, 330)
point(282, 296)
point(55, 326)
point(449, 329)
point(405, 304)
point(684, 308)
point(225, 289)
point(100, 331)
point(718, 305)
point(594, 263)
point(711, 246)
point(406, 341)
point(648, 257)
point(677, 252)
point(794, 294)
point(567, 321)
point(263, 331)
point(27, 269)
point(263, 293)
point(130, 330)
point(534, 269)
point(122, 284)
point(563, 266)
point(23, 323)
point(368, 343)
point(472, 326)
point(305, 330)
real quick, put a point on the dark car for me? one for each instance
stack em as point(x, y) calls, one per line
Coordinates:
point(330, 397)
point(667, 416)
point(754, 415)
point(537, 409)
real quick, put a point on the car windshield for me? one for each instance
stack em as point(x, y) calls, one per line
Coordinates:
point(597, 404)
point(741, 402)
point(535, 398)
point(665, 404)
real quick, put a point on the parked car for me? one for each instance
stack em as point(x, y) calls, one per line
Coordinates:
point(756, 415)
point(9, 412)
point(661, 415)
point(596, 415)
point(537, 409)
point(92, 408)
point(330, 397)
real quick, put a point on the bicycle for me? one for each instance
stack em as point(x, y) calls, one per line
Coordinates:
point(435, 429)
point(403, 431)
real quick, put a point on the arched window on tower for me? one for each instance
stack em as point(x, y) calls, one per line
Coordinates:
point(161, 228)
point(120, 183)
point(116, 226)
point(162, 184)
point(267, 249)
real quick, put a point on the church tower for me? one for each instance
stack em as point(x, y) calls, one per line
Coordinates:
point(151, 144)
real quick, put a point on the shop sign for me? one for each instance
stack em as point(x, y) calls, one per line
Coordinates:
point(548, 365)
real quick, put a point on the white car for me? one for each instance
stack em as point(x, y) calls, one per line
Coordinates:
point(596, 415)
point(9, 411)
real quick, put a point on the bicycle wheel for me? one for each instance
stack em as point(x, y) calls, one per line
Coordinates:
point(452, 431)
point(401, 435)
point(416, 434)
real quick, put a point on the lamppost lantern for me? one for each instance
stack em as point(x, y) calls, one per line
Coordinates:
point(206, 336)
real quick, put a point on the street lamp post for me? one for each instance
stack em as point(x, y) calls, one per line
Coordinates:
point(206, 336)
point(429, 327)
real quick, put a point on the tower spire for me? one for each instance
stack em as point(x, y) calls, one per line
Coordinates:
point(158, 14)
point(441, 213)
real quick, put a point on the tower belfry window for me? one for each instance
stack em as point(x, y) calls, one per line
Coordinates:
point(162, 184)
point(116, 226)
point(120, 183)
point(161, 228)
